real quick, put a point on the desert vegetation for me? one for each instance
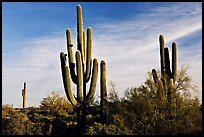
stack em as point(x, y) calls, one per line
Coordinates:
point(162, 105)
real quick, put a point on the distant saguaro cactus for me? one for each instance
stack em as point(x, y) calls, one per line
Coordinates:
point(80, 73)
point(166, 86)
point(24, 95)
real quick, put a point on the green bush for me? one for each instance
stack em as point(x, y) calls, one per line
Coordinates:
point(103, 129)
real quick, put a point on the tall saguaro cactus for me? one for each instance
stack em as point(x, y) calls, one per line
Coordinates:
point(104, 98)
point(24, 95)
point(79, 72)
point(166, 85)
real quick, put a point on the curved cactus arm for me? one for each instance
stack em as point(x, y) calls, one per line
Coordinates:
point(67, 81)
point(174, 62)
point(93, 83)
point(167, 62)
point(79, 76)
point(155, 76)
point(89, 54)
point(71, 56)
point(80, 32)
point(158, 82)
point(161, 40)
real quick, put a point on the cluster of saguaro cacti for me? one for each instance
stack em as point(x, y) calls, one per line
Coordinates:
point(166, 85)
point(24, 95)
point(80, 73)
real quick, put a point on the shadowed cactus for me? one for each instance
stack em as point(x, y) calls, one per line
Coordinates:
point(166, 85)
point(80, 72)
point(24, 95)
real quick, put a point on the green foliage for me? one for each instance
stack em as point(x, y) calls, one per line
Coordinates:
point(113, 97)
point(103, 129)
point(56, 104)
point(52, 115)
point(14, 122)
point(184, 81)
point(147, 115)
point(51, 118)
point(119, 121)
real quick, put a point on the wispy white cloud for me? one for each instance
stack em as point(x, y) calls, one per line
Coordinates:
point(130, 48)
point(38, 65)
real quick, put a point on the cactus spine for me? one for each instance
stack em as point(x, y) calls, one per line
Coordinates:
point(24, 95)
point(167, 83)
point(79, 72)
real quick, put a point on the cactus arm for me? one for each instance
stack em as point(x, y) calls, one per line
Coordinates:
point(103, 79)
point(71, 56)
point(161, 89)
point(158, 82)
point(174, 62)
point(89, 54)
point(80, 31)
point(161, 39)
point(84, 46)
point(167, 62)
point(155, 76)
point(79, 76)
point(67, 81)
point(92, 88)
point(170, 88)
point(69, 91)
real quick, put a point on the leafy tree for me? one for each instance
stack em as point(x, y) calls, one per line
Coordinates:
point(114, 103)
point(146, 114)
point(53, 117)
point(113, 96)
point(56, 104)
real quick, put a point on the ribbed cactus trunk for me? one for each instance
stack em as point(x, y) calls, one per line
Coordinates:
point(24, 95)
point(79, 72)
point(104, 99)
point(166, 86)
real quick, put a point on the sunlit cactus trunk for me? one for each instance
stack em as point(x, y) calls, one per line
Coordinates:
point(79, 72)
point(166, 86)
point(104, 98)
point(24, 95)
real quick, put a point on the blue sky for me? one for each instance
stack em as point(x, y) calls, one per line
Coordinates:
point(124, 34)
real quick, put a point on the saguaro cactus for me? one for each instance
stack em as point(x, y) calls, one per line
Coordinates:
point(24, 95)
point(79, 72)
point(104, 98)
point(166, 85)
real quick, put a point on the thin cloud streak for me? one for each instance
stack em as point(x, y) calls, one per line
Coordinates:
point(131, 47)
